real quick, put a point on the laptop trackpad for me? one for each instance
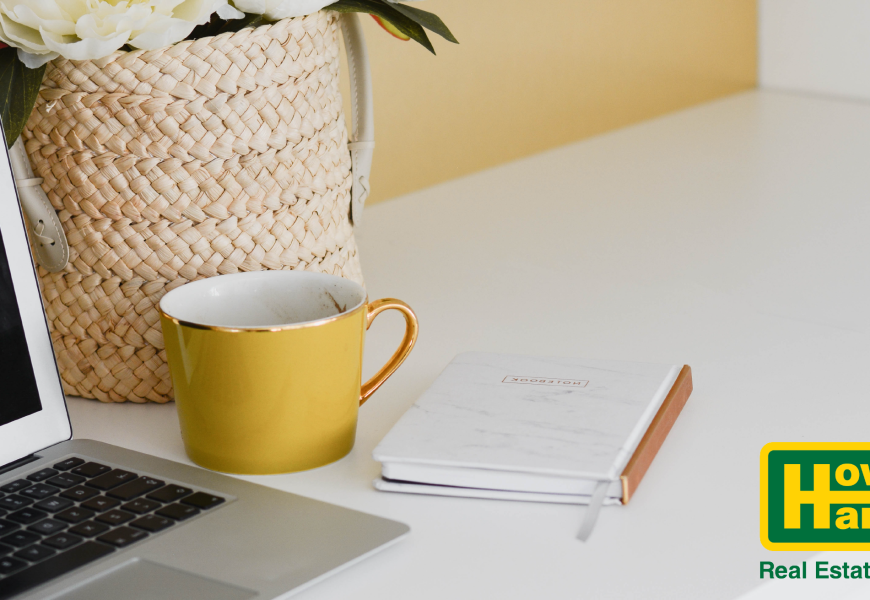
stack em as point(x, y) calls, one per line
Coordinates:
point(143, 580)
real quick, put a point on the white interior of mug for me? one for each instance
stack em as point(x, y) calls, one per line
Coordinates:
point(262, 299)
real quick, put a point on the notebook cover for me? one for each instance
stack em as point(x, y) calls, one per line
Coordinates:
point(521, 414)
point(656, 433)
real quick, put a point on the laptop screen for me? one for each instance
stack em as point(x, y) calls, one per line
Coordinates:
point(20, 396)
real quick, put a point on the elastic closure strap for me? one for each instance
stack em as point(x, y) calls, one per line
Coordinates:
point(591, 515)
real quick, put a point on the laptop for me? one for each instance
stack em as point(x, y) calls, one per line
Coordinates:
point(80, 519)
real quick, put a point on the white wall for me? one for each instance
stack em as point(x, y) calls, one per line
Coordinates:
point(818, 46)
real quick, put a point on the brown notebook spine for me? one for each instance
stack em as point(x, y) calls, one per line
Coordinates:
point(655, 436)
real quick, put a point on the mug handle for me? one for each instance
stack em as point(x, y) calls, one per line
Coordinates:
point(374, 309)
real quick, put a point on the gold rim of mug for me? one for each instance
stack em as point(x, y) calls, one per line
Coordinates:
point(223, 329)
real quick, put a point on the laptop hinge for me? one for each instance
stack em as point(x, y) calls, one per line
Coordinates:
point(18, 463)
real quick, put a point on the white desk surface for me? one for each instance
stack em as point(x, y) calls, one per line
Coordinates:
point(734, 237)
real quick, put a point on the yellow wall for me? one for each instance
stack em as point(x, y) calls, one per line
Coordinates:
point(529, 76)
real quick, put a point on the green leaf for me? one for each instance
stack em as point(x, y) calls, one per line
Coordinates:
point(216, 25)
point(430, 21)
point(386, 11)
point(19, 87)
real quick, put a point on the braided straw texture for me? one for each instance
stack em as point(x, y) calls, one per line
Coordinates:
point(212, 156)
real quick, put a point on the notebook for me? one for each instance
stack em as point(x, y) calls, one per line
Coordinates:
point(535, 429)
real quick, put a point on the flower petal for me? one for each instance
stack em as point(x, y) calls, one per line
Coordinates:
point(87, 49)
point(21, 36)
point(164, 32)
point(52, 20)
point(194, 11)
point(227, 12)
point(254, 7)
point(33, 61)
point(282, 9)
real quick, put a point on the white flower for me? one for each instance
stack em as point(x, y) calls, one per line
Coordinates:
point(281, 9)
point(92, 29)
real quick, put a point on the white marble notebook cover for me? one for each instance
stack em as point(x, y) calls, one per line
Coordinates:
point(556, 416)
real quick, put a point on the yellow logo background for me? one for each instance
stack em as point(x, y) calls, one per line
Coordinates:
point(815, 496)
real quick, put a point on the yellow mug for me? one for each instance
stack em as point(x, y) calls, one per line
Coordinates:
point(266, 367)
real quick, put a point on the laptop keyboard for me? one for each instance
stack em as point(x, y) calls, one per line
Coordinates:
point(57, 519)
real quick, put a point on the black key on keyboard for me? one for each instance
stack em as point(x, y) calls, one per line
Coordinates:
point(76, 514)
point(66, 465)
point(111, 479)
point(15, 502)
point(170, 493)
point(89, 528)
point(4, 549)
point(141, 506)
point(122, 536)
point(39, 491)
point(53, 567)
point(42, 475)
point(53, 504)
point(13, 487)
point(20, 539)
point(115, 517)
point(66, 480)
point(26, 516)
point(135, 488)
point(34, 553)
point(152, 523)
point(48, 526)
point(78, 493)
point(91, 469)
point(62, 541)
point(203, 500)
point(101, 503)
point(7, 526)
point(10, 565)
point(179, 512)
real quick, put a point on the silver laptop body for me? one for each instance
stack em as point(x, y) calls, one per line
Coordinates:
point(183, 532)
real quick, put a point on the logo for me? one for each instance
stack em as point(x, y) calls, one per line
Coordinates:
point(815, 496)
point(579, 383)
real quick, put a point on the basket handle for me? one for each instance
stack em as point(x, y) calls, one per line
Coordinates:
point(46, 232)
point(362, 145)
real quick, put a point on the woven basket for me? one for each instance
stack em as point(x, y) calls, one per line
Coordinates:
point(212, 156)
